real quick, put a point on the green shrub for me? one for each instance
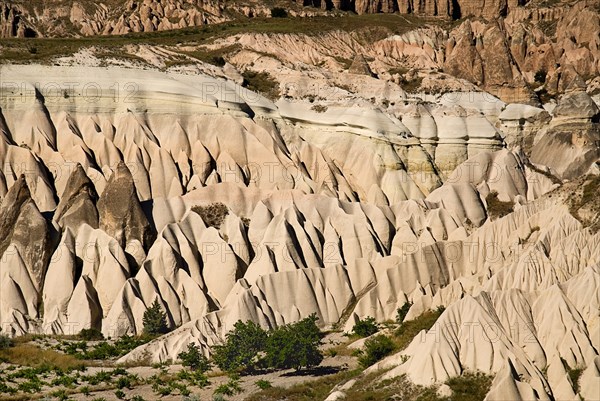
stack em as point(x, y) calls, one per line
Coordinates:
point(365, 327)
point(155, 320)
point(124, 382)
point(85, 390)
point(402, 312)
point(194, 359)
point(241, 347)
point(213, 215)
point(120, 394)
point(199, 379)
point(278, 12)
point(295, 345)
point(263, 384)
point(30, 386)
point(90, 335)
point(230, 388)
point(376, 348)
point(5, 341)
point(60, 394)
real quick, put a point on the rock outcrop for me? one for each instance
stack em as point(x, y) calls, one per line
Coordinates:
point(120, 212)
point(345, 211)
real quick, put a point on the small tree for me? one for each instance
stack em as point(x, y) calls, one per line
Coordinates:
point(365, 327)
point(295, 345)
point(402, 312)
point(155, 320)
point(194, 359)
point(241, 348)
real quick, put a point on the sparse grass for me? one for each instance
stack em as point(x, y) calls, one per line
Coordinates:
point(308, 391)
point(398, 70)
point(261, 82)
point(409, 330)
point(215, 56)
point(548, 27)
point(32, 355)
point(346, 63)
point(470, 386)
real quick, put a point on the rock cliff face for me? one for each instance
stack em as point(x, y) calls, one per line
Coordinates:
point(345, 211)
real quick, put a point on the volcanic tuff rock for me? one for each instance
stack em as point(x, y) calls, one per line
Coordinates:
point(120, 212)
point(574, 132)
point(77, 204)
point(345, 212)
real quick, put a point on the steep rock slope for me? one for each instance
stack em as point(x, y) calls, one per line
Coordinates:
point(345, 213)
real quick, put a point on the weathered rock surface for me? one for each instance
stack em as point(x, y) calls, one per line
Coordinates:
point(120, 212)
point(346, 212)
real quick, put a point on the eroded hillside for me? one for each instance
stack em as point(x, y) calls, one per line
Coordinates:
point(263, 172)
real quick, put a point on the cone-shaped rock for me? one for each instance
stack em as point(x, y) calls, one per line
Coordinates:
point(77, 205)
point(360, 66)
point(22, 225)
point(121, 214)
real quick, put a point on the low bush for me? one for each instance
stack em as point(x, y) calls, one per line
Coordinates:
point(90, 335)
point(295, 345)
point(194, 359)
point(230, 388)
point(263, 384)
point(5, 342)
point(365, 327)
point(241, 348)
point(402, 312)
point(376, 348)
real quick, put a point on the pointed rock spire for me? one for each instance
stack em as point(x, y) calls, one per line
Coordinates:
point(78, 202)
point(120, 211)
